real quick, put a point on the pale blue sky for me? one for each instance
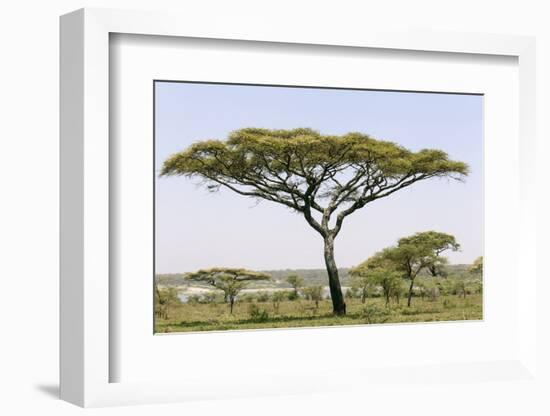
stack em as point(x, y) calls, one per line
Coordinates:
point(196, 229)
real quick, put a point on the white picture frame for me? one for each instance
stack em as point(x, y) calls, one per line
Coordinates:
point(86, 355)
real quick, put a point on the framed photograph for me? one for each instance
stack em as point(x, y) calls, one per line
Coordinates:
point(226, 262)
point(323, 212)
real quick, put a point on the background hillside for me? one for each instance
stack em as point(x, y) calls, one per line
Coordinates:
point(311, 277)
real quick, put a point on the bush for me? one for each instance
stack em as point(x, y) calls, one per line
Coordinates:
point(352, 293)
point(257, 314)
point(247, 298)
point(165, 300)
point(262, 296)
point(292, 296)
point(374, 314)
point(277, 297)
point(209, 297)
point(194, 299)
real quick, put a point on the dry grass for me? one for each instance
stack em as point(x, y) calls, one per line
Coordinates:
point(302, 313)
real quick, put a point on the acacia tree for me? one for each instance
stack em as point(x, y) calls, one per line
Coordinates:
point(230, 281)
point(437, 268)
point(325, 178)
point(378, 271)
point(165, 298)
point(296, 282)
point(314, 293)
point(476, 267)
point(363, 283)
point(417, 252)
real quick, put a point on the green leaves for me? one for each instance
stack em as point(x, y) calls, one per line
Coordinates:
point(410, 255)
point(229, 280)
point(477, 266)
point(226, 273)
point(309, 172)
point(405, 260)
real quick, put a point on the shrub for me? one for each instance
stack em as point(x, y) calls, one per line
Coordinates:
point(247, 298)
point(262, 296)
point(374, 314)
point(277, 297)
point(193, 299)
point(165, 300)
point(352, 293)
point(292, 296)
point(209, 297)
point(257, 314)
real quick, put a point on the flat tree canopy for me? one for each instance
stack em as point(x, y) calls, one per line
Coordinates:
point(300, 168)
point(229, 280)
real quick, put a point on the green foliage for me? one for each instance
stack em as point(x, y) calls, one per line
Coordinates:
point(363, 283)
point(262, 296)
point(307, 171)
point(379, 271)
point(375, 314)
point(209, 297)
point(427, 287)
point(302, 313)
point(313, 293)
point(277, 297)
point(296, 282)
point(229, 280)
point(257, 314)
point(165, 298)
point(292, 295)
point(352, 292)
point(477, 267)
point(292, 159)
point(417, 252)
point(438, 267)
point(194, 299)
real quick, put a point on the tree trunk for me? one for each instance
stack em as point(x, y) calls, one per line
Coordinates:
point(231, 302)
point(338, 303)
point(410, 293)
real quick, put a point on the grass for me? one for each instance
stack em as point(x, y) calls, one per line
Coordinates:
point(302, 313)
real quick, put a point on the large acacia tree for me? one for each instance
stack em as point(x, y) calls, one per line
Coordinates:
point(325, 178)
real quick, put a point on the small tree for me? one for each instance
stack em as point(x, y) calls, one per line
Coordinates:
point(378, 271)
point(363, 283)
point(477, 267)
point(437, 268)
point(314, 293)
point(165, 298)
point(229, 281)
point(417, 252)
point(277, 297)
point(427, 287)
point(324, 178)
point(296, 282)
point(463, 286)
point(352, 292)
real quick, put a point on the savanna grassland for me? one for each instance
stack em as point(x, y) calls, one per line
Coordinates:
point(455, 298)
point(302, 313)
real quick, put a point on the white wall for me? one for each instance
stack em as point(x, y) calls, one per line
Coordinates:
point(29, 172)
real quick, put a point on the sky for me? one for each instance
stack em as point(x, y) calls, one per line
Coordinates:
point(198, 229)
